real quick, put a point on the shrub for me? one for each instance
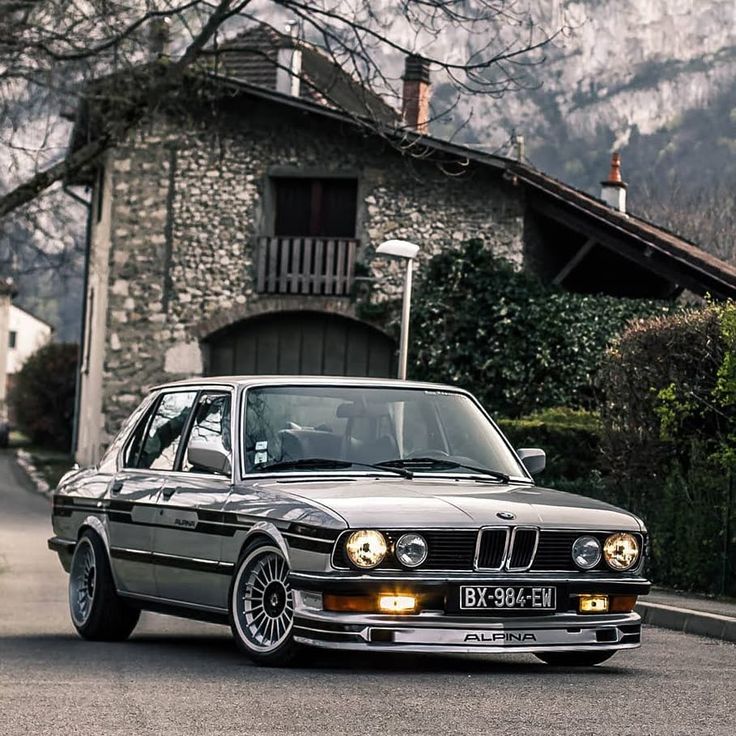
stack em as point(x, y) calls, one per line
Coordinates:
point(43, 395)
point(668, 439)
point(570, 437)
point(518, 344)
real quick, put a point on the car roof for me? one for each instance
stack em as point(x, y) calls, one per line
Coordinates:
point(296, 380)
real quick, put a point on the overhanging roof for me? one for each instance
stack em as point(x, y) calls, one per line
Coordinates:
point(658, 250)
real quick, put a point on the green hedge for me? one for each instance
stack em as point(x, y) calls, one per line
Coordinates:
point(669, 441)
point(43, 396)
point(570, 437)
point(518, 344)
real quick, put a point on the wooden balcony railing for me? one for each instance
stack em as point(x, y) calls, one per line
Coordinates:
point(323, 266)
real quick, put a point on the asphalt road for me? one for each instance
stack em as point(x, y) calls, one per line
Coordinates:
point(178, 677)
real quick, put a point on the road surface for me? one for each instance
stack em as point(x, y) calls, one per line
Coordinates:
point(177, 677)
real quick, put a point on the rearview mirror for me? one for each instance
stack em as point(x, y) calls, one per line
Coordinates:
point(209, 456)
point(534, 459)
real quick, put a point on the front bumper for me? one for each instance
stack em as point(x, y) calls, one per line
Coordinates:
point(449, 631)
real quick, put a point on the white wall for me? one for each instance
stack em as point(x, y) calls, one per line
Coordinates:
point(30, 334)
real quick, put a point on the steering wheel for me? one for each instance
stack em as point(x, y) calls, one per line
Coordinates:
point(433, 453)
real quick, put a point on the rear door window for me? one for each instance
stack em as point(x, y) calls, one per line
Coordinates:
point(159, 443)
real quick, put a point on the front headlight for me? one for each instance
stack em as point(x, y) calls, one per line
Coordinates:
point(411, 550)
point(366, 548)
point(621, 551)
point(586, 552)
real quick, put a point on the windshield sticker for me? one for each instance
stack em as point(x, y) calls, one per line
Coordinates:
point(261, 455)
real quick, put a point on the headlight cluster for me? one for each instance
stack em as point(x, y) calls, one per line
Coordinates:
point(620, 551)
point(368, 548)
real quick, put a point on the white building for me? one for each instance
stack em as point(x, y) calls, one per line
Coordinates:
point(26, 333)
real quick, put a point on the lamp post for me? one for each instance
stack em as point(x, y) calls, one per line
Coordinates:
point(408, 251)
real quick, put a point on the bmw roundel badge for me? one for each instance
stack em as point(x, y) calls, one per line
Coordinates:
point(507, 515)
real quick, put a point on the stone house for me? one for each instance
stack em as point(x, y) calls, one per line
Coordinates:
point(239, 237)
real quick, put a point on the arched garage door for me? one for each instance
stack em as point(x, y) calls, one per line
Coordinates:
point(305, 343)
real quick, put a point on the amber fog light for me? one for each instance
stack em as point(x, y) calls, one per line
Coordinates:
point(397, 603)
point(349, 603)
point(593, 604)
point(622, 603)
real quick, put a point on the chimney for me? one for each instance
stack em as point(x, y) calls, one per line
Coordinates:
point(289, 64)
point(613, 190)
point(415, 102)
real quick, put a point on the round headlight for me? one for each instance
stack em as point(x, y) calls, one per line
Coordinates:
point(621, 551)
point(586, 552)
point(411, 550)
point(366, 548)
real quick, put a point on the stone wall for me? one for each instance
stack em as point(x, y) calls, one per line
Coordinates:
point(189, 201)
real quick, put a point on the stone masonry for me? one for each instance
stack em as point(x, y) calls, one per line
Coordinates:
point(190, 199)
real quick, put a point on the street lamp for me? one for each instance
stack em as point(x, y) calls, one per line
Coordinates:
point(408, 251)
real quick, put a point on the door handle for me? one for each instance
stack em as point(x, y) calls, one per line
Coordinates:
point(117, 486)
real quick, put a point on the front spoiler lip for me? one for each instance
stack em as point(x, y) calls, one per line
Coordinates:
point(446, 634)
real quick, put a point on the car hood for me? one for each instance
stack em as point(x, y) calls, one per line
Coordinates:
point(439, 502)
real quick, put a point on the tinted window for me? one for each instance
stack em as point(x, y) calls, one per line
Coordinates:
point(211, 425)
point(316, 207)
point(163, 432)
point(369, 425)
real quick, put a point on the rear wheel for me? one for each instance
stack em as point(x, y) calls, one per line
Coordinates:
point(262, 606)
point(575, 659)
point(98, 613)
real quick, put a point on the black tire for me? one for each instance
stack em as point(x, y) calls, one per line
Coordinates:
point(263, 629)
point(98, 612)
point(575, 659)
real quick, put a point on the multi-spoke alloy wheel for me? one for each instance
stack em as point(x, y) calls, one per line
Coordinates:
point(98, 612)
point(82, 582)
point(262, 606)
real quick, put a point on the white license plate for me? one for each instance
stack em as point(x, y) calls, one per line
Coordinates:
point(508, 597)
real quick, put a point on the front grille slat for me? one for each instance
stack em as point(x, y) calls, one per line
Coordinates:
point(524, 543)
point(492, 548)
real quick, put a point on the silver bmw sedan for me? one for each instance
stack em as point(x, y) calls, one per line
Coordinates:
point(343, 513)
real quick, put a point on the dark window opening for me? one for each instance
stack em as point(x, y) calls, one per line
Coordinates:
point(12, 339)
point(315, 207)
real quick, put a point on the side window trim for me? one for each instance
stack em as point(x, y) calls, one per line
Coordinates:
point(186, 431)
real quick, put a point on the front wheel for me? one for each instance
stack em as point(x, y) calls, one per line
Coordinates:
point(575, 659)
point(98, 613)
point(262, 606)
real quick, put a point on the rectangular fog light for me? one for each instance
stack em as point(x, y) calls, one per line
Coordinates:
point(593, 604)
point(397, 603)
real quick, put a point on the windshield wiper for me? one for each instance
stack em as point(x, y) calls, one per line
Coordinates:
point(435, 462)
point(325, 463)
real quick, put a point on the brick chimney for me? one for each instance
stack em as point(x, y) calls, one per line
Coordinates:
point(415, 102)
point(613, 189)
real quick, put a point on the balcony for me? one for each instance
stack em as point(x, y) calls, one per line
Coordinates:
point(296, 265)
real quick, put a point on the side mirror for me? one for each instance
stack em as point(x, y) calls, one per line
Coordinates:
point(534, 459)
point(209, 456)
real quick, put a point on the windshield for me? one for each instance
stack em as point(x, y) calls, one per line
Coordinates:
point(366, 426)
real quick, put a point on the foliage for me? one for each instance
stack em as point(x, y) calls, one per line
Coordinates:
point(43, 395)
point(570, 437)
point(669, 431)
point(518, 344)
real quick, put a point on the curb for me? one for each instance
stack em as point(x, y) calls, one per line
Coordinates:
point(25, 461)
point(688, 620)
